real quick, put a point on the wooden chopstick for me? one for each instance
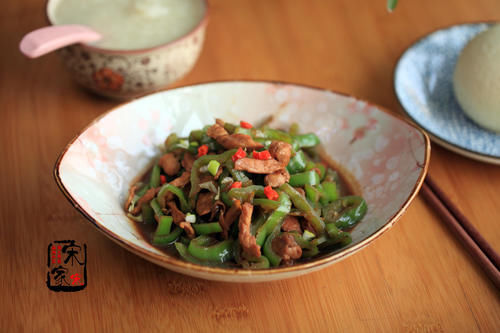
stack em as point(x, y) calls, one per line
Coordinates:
point(463, 229)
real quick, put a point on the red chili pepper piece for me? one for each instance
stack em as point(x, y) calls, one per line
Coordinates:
point(235, 185)
point(270, 193)
point(163, 179)
point(202, 150)
point(262, 155)
point(244, 124)
point(240, 153)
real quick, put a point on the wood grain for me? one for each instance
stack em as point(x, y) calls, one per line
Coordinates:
point(416, 278)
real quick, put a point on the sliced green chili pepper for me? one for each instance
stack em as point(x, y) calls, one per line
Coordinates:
point(154, 181)
point(260, 263)
point(195, 172)
point(183, 252)
point(238, 175)
point(294, 129)
point(207, 248)
point(308, 248)
point(138, 218)
point(306, 140)
point(278, 135)
point(300, 179)
point(333, 232)
point(148, 214)
point(226, 199)
point(310, 165)
point(230, 127)
point(171, 140)
point(297, 163)
point(268, 251)
point(257, 222)
point(244, 194)
point(207, 228)
point(322, 170)
point(163, 227)
point(156, 207)
point(137, 196)
point(329, 191)
point(275, 219)
point(167, 239)
point(176, 191)
point(301, 204)
point(345, 212)
point(312, 193)
point(195, 135)
point(343, 239)
point(266, 204)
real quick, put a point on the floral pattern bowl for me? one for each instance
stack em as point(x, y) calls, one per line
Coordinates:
point(386, 155)
point(125, 74)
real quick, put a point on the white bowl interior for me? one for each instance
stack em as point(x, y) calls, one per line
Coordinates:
point(385, 154)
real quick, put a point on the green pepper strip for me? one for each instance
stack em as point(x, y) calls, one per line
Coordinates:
point(226, 199)
point(294, 129)
point(176, 191)
point(346, 211)
point(154, 181)
point(195, 135)
point(310, 165)
point(273, 258)
point(171, 140)
point(148, 214)
point(207, 248)
point(183, 252)
point(301, 204)
point(238, 175)
point(168, 239)
point(275, 219)
point(207, 228)
point(138, 218)
point(266, 204)
point(260, 263)
point(343, 239)
point(195, 172)
point(137, 196)
point(330, 191)
point(156, 207)
point(244, 194)
point(300, 179)
point(297, 163)
point(308, 248)
point(312, 193)
point(230, 127)
point(322, 169)
point(306, 140)
point(278, 135)
point(163, 227)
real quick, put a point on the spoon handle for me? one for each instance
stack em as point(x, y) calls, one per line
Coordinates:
point(48, 39)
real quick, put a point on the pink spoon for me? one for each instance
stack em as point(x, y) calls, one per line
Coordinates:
point(48, 39)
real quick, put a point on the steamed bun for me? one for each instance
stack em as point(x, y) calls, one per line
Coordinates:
point(476, 80)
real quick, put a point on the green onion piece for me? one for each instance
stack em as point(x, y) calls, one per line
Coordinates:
point(191, 218)
point(207, 228)
point(213, 167)
point(307, 235)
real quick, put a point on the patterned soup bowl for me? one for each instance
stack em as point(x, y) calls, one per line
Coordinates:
point(386, 155)
point(125, 74)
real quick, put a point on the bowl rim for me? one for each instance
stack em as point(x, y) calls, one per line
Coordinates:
point(200, 25)
point(434, 136)
point(181, 264)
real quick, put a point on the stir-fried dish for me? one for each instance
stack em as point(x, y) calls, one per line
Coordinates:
point(240, 196)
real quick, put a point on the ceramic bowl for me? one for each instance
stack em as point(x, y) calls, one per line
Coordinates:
point(388, 157)
point(125, 74)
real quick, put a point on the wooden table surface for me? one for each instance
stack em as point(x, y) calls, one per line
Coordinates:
point(416, 278)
